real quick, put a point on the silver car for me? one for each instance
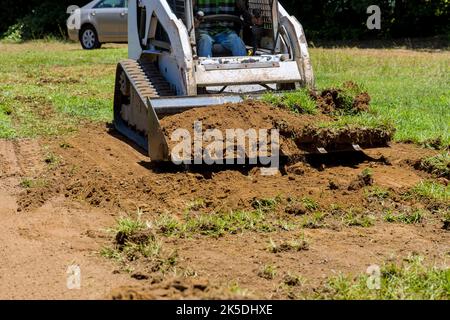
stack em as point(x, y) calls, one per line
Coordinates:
point(98, 22)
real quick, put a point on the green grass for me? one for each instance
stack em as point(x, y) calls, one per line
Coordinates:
point(48, 87)
point(266, 205)
point(377, 192)
point(268, 272)
point(293, 245)
point(431, 190)
point(219, 224)
point(28, 183)
point(408, 88)
point(353, 218)
point(416, 216)
point(128, 226)
point(297, 101)
point(310, 204)
point(438, 165)
point(314, 221)
point(134, 240)
point(411, 281)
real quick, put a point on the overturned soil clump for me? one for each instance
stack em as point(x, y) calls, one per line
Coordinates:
point(349, 99)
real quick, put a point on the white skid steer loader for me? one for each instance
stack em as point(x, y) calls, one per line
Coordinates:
point(164, 75)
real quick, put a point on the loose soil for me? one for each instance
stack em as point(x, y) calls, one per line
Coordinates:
point(99, 177)
point(300, 134)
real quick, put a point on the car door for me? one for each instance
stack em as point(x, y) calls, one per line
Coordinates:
point(123, 23)
point(109, 16)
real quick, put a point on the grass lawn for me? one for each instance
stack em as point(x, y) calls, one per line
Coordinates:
point(46, 88)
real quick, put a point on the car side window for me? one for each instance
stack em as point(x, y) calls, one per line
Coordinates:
point(111, 4)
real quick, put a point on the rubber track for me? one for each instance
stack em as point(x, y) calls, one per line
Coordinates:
point(146, 79)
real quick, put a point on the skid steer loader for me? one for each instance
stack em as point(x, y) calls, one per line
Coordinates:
point(165, 76)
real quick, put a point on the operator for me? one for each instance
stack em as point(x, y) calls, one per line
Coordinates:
point(220, 32)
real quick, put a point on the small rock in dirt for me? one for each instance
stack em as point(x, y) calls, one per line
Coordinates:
point(332, 185)
point(296, 209)
point(297, 169)
point(179, 286)
point(139, 276)
point(201, 285)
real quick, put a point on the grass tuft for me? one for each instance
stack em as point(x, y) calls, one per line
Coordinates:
point(432, 191)
point(298, 101)
point(294, 245)
point(412, 280)
point(268, 272)
point(438, 165)
point(414, 217)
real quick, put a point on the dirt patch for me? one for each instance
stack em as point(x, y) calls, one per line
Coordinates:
point(119, 178)
point(173, 289)
point(101, 178)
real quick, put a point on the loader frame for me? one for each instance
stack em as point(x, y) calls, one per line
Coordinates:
point(164, 75)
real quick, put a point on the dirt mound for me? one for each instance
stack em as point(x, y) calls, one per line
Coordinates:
point(299, 133)
point(349, 99)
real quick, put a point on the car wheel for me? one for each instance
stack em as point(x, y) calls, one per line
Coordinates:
point(89, 38)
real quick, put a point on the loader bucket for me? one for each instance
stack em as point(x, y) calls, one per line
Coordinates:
point(158, 108)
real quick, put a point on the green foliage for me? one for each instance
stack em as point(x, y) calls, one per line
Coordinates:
point(32, 19)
